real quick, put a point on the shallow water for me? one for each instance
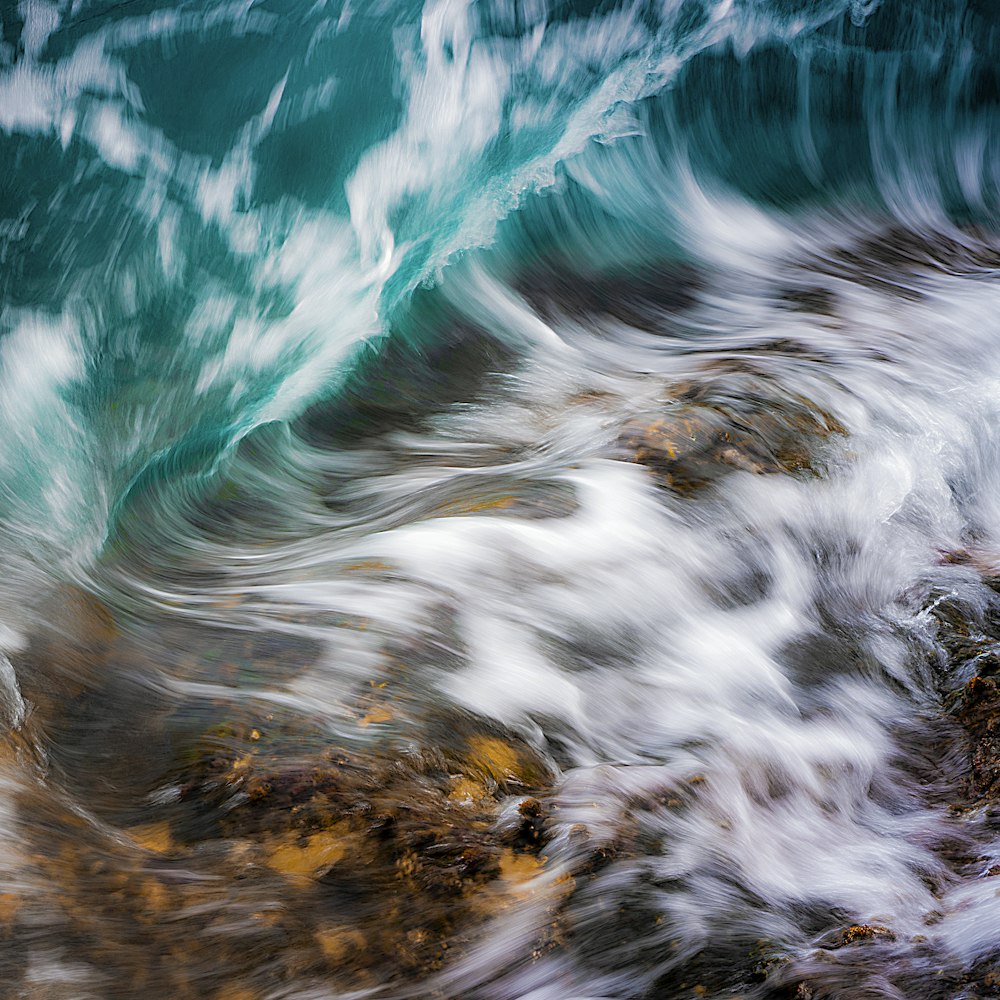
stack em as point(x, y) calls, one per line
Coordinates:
point(499, 500)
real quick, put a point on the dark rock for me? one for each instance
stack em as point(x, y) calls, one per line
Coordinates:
point(732, 421)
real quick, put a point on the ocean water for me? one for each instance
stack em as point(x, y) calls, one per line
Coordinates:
point(499, 499)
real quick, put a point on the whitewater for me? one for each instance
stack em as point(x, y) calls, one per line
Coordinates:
point(499, 500)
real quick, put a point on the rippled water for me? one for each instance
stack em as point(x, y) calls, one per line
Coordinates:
point(499, 500)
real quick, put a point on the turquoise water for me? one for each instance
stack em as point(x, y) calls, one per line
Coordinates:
point(330, 324)
point(212, 213)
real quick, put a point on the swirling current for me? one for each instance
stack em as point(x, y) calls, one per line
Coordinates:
point(499, 499)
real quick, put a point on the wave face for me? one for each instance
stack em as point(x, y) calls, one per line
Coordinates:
point(499, 499)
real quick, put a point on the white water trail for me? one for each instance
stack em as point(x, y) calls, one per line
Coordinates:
point(759, 650)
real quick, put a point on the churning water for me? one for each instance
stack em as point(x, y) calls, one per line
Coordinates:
point(499, 499)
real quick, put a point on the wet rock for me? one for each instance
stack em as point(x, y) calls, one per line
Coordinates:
point(861, 932)
point(507, 498)
point(767, 961)
point(285, 859)
point(979, 712)
point(646, 299)
point(406, 841)
point(810, 299)
point(530, 832)
point(896, 260)
point(249, 848)
point(731, 421)
point(969, 637)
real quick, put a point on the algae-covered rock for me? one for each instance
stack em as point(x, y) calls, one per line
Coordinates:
point(228, 842)
point(404, 841)
point(281, 857)
point(860, 932)
point(731, 420)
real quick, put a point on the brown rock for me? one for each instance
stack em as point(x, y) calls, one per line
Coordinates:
point(733, 420)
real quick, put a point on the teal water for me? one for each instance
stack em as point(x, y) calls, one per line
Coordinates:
point(210, 211)
point(292, 288)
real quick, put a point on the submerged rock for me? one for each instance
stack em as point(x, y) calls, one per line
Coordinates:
point(229, 842)
point(359, 865)
point(733, 420)
point(411, 837)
